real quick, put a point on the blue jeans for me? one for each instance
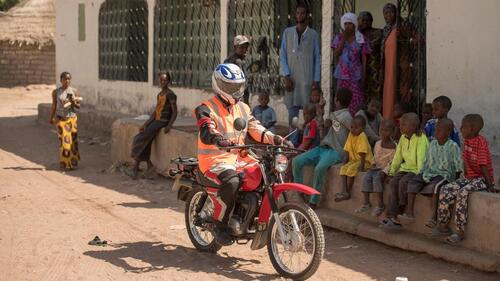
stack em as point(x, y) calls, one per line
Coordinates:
point(321, 157)
point(294, 112)
point(372, 182)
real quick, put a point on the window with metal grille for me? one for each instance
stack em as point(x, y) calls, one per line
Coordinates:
point(123, 40)
point(187, 40)
point(264, 21)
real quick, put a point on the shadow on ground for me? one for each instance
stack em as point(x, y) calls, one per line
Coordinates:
point(156, 256)
point(37, 143)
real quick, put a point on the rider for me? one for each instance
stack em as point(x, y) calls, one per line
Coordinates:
point(215, 122)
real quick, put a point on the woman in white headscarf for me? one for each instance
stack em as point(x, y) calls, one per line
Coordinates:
point(350, 48)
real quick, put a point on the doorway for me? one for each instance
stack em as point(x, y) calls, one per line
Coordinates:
point(411, 74)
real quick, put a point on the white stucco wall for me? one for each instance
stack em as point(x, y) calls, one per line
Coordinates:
point(81, 59)
point(463, 59)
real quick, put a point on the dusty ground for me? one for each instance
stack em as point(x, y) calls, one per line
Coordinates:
point(47, 218)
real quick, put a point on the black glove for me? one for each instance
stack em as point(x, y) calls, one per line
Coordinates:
point(277, 140)
point(222, 142)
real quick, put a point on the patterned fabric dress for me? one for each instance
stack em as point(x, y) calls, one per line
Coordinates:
point(348, 71)
point(373, 64)
point(67, 131)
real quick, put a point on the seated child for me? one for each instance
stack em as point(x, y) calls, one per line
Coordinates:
point(442, 164)
point(373, 118)
point(330, 151)
point(373, 181)
point(478, 172)
point(407, 162)
point(310, 136)
point(318, 99)
point(426, 114)
point(440, 108)
point(264, 113)
point(359, 158)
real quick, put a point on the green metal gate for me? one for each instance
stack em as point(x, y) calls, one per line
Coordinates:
point(187, 40)
point(123, 40)
point(264, 21)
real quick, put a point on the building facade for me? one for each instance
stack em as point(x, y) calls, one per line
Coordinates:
point(115, 48)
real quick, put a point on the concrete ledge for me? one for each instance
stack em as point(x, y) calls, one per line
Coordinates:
point(180, 141)
point(409, 241)
point(89, 119)
point(480, 249)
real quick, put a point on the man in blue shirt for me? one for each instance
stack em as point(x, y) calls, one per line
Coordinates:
point(300, 62)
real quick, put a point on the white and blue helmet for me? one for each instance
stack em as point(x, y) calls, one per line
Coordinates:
point(228, 81)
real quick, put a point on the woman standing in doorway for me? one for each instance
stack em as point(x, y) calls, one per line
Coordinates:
point(65, 101)
point(374, 35)
point(389, 60)
point(351, 48)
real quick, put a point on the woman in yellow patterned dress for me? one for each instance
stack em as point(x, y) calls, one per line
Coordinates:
point(65, 101)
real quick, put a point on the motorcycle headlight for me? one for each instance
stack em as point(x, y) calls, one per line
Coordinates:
point(281, 163)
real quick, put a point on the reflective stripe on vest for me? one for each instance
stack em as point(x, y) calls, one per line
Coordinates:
point(224, 124)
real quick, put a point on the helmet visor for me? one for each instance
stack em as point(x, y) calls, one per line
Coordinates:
point(233, 89)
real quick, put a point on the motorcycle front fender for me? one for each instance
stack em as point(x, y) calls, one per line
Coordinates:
point(278, 189)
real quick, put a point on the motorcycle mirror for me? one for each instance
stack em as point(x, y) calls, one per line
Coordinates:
point(239, 124)
point(295, 122)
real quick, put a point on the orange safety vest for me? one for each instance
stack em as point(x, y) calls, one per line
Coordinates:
point(208, 154)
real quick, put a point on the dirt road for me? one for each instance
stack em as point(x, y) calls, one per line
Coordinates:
point(47, 218)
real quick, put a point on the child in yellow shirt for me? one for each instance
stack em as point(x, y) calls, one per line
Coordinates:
point(360, 157)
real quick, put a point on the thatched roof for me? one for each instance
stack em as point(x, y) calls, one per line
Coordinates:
point(31, 22)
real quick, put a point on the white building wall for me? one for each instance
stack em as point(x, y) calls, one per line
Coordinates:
point(82, 60)
point(463, 60)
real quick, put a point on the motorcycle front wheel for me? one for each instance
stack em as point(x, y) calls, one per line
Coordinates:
point(202, 237)
point(299, 255)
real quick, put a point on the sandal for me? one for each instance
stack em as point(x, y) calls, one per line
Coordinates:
point(454, 239)
point(432, 223)
point(342, 196)
point(98, 242)
point(406, 219)
point(377, 211)
point(389, 224)
point(363, 208)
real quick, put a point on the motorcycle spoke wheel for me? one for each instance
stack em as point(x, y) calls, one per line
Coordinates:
point(299, 255)
point(202, 236)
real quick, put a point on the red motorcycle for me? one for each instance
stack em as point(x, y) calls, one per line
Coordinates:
point(292, 231)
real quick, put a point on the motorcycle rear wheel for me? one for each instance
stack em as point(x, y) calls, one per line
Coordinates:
point(202, 238)
point(303, 248)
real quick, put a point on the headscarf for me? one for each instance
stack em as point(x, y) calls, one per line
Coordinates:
point(388, 26)
point(350, 17)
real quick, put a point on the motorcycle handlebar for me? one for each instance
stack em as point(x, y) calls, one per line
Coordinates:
point(245, 146)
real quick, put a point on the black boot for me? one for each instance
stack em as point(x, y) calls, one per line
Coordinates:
point(222, 236)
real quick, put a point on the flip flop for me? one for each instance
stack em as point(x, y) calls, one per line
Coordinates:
point(406, 219)
point(342, 196)
point(363, 208)
point(377, 211)
point(389, 224)
point(98, 242)
point(454, 239)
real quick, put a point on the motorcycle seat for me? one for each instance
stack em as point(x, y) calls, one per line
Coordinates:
point(204, 181)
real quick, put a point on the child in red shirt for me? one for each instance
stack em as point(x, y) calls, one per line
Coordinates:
point(478, 172)
point(311, 134)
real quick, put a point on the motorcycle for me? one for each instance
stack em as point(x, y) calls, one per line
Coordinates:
point(291, 231)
